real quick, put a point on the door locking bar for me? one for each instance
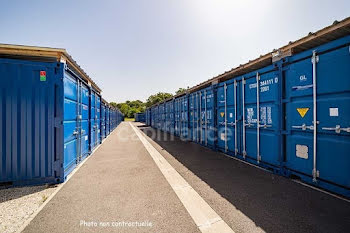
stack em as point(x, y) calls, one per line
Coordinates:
point(258, 157)
point(314, 61)
point(303, 127)
point(225, 120)
point(244, 124)
point(200, 111)
point(265, 126)
point(337, 129)
point(235, 124)
point(205, 117)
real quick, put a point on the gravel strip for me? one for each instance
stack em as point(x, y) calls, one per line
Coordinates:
point(17, 204)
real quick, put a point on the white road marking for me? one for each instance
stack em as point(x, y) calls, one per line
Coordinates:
point(206, 219)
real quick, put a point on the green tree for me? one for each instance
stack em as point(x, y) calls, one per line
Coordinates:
point(159, 97)
point(113, 104)
point(180, 91)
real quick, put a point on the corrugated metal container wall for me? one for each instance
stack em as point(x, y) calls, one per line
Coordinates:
point(194, 119)
point(107, 120)
point(184, 116)
point(103, 120)
point(76, 120)
point(112, 118)
point(317, 109)
point(140, 117)
point(93, 120)
point(156, 117)
point(29, 111)
point(44, 121)
point(292, 117)
point(170, 117)
point(98, 119)
point(177, 116)
point(148, 116)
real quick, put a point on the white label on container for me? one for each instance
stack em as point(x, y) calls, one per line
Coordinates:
point(231, 115)
point(302, 151)
point(86, 138)
point(222, 136)
point(333, 112)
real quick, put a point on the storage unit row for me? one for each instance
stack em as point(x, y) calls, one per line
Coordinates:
point(52, 115)
point(290, 115)
point(140, 117)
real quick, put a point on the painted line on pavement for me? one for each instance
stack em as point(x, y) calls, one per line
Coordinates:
point(206, 219)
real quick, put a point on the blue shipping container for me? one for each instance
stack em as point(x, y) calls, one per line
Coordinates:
point(44, 121)
point(291, 116)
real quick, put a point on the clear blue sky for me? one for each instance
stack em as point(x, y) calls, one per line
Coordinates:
point(133, 49)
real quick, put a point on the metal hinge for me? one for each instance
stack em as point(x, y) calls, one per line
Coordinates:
point(315, 58)
point(259, 158)
point(315, 174)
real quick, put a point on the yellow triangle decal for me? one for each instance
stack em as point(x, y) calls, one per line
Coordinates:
point(222, 114)
point(302, 111)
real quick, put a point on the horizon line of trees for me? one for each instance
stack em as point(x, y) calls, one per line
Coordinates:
point(129, 108)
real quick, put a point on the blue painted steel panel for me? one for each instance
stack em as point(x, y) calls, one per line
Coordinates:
point(98, 120)
point(93, 143)
point(177, 107)
point(140, 117)
point(47, 125)
point(227, 115)
point(44, 123)
point(207, 128)
point(70, 121)
point(170, 120)
point(184, 116)
point(261, 136)
point(103, 121)
point(27, 142)
point(95, 117)
point(333, 109)
point(266, 116)
point(194, 125)
point(107, 120)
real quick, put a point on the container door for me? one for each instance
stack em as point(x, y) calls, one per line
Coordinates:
point(207, 118)
point(261, 128)
point(107, 121)
point(197, 118)
point(31, 97)
point(184, 117)
point(98, 120)
point(84, 119)
point(70, 122)
point(176, 106)
point(227, 117)
point(191, 117)
point(103, 125)
point(92, 121)
point(318, 117)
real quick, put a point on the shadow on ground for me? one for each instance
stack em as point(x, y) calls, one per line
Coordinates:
point(274, 203)
point(8, 193)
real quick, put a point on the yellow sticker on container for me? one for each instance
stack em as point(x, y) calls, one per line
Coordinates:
point(302, 111)
point(222, 114)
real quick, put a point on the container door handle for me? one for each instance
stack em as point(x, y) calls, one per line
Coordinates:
point(249, 124)
point(265, 126)
point(337, 129)
point(232, 124)
point(303, 127)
